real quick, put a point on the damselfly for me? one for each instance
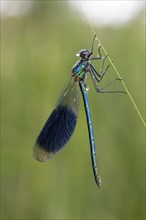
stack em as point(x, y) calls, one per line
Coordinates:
point(61, 123)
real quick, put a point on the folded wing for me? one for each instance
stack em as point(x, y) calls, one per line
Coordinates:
point(60, 125)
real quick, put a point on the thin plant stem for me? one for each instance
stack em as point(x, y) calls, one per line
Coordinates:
point(115, 69)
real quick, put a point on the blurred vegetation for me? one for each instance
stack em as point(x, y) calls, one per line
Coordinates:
point(37, 54)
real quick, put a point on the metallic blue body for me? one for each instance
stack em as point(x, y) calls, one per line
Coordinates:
point(91, 133)
point(79, 71)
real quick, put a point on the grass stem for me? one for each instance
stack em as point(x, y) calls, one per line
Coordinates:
point(116, 71)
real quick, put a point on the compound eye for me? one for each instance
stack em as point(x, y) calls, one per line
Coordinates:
point(83, 54)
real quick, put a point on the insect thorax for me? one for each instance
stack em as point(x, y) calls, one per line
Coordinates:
point(79, 69)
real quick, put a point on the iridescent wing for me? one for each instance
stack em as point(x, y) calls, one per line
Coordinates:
point(60, 125)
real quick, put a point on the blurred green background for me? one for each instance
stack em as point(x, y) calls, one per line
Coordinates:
point(37, 54)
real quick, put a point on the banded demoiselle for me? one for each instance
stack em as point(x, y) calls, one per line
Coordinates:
point(60, 125)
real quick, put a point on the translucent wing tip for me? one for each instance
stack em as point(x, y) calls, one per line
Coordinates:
point(41, 154)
